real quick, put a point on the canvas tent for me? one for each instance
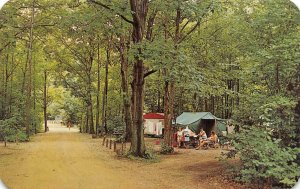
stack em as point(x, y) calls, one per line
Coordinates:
point(197, 120)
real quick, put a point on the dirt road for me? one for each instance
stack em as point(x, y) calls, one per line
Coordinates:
point(63, 159)
point(58, 159)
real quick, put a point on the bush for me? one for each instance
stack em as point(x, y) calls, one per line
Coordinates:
point(11, 131)
point(165, 149)
point(264, 160)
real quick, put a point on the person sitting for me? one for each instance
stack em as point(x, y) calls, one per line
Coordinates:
point(202, 135)
point(212, 139)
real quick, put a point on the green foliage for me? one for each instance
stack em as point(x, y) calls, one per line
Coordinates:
point(115, 122)
point(166, 149)
point(10, 129)
point(264, 158)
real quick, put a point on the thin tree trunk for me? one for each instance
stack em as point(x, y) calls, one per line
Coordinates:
point(125, 90)
point(212, 104)
point(105, 90)
point(45, 100)
point(90, 101)
point(6, 77)
point(277, 78)
point(98, 91)
point(34, 97)
point(89, 66)
point(87, 120)
point(28, 102)
point(2, 90)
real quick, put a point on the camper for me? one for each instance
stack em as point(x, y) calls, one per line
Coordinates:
point(153, 124)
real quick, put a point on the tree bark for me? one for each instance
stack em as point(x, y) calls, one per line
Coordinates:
point(28, 101)
point(139, 10)
point(98, 91)
point(90, 125)
point(105, 91)
point(125, 89)
point(45, 100)
point(170, 87)
point(168, 112)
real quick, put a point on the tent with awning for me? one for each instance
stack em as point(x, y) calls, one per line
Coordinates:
point(197, 120)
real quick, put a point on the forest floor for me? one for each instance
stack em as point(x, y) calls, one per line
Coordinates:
point(63, 159)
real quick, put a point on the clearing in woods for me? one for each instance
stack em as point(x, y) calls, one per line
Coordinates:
point(64, 159)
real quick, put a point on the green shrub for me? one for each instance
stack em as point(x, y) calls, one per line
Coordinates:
point(11, 131)
point(165, 149)
point(264, 159)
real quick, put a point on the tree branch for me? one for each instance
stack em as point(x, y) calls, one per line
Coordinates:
point(150, 25)
point(149, 73)
point(109, 8)
point(189, 32)
point(197, 24)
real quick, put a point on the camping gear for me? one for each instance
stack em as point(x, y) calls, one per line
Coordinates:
point(197, 120)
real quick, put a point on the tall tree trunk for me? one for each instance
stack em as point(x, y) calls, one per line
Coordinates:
point(105, 91)
point(28, 101)
point(87, 119)
point(277, 78)
point(158, 94)
point(170, 86)
point(98, 91)
point(139, 11)
point(137, 138)
point(11, 86)
point(125, 89)
point(2, 90)
point(6, 77)
point(168, 112)
point(90, 125)
point(89, 67)
point(34, 97)
point(45, 100)
point(212, 104)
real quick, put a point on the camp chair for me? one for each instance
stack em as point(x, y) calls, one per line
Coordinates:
point(211, 144)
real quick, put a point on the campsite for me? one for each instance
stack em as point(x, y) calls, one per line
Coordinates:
point(138, 94)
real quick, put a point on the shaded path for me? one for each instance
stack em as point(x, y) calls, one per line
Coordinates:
point(63, 159)
point(59, 159)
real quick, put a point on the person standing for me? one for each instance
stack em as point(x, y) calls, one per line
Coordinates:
point(69, 125)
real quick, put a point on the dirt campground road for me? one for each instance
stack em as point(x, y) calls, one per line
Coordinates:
point(63, 159)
